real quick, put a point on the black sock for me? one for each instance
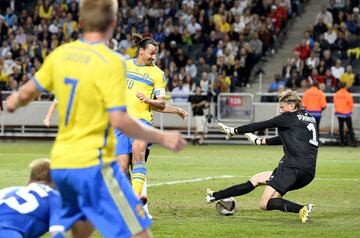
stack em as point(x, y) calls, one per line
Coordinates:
point(236, 190)
point(283, 205)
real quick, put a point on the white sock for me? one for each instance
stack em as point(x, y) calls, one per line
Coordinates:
point(144, 192)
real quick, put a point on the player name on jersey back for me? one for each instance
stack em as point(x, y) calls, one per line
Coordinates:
point(306, 118)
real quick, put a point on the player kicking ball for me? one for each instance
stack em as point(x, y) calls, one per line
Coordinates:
point(296, 169)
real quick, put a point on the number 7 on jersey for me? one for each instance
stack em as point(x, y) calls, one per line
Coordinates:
point(73, 83)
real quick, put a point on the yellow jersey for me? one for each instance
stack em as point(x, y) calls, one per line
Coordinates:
point(88, 80)
point(147, 79)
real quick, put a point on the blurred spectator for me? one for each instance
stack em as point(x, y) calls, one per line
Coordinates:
point(225, 82)
point(278, 82)
point(330, 36)
point(45, 10)
point(286, 70)
point(275, 87)
point(314, 102)
point(348, 77)
point(191, 68)
point(198, 103)
point(320, 27)
point(329, 81)
point(341, 45)
point(337, 70)
point(294, 81)
point(312, 62)
point(303, 50)
point(202, 66)
point(322, 68)
point(325, 16)
point(189, 84)
point(180, 93)
point(204, 83)
point(324, 44)
point(343, 102)
point(181, 59)
point(329, 62)
point(256, 45)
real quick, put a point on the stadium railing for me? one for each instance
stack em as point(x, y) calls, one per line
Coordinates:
point(231, 108)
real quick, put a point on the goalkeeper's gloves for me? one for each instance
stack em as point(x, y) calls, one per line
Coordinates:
point(229, 131)
point(253, 138)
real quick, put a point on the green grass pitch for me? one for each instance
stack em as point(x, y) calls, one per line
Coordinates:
point(179, 209)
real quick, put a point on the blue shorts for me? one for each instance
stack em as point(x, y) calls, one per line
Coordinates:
point(124, 143)
point(102, 195)
point(4, 232)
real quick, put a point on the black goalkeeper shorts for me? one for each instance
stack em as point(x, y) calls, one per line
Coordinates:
point(284, 179)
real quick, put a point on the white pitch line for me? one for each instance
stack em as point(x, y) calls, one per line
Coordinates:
point(339, 179)
point(192, 180)
point(232, 176)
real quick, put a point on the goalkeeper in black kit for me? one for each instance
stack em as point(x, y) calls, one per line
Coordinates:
point(296, 169)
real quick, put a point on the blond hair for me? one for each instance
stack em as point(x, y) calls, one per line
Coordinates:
point(289, 96)
point(97, 15)
point(40, 171)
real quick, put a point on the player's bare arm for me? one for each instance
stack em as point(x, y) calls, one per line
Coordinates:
point(47, 120)
point(132, 128)
point(167, 109)
point(158, 103)
point(175, 110)
point(26, 93)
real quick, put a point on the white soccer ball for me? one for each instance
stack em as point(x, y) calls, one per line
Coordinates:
point(226, 206)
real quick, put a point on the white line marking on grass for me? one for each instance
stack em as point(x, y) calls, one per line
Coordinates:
point(339, 179)
point(196, 180)
point(192, 180)
point(170, 157)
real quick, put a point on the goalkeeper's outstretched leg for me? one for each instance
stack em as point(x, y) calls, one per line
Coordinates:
point(296, 169)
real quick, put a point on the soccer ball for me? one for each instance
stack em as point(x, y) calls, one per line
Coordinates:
point(226, 206)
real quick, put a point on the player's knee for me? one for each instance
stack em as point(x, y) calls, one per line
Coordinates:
point(144, 234)
point(263, 204)
point(139, 155)
point(125, 169)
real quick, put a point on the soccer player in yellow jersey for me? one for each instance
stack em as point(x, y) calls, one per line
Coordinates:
point(145, 91)
point(88, 80)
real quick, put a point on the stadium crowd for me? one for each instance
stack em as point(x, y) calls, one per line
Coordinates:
point(214, 44)
point(328, 52)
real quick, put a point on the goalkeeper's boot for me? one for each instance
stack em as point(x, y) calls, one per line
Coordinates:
point(305, 212)
point(209, 196)
point(229, 131)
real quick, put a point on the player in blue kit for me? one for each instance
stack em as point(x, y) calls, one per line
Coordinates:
point(30, 211)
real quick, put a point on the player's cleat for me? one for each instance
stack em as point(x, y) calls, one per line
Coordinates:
point(209, 196)
point(229, 131)
point(305, 212)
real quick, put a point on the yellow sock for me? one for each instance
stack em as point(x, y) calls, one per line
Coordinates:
point(138, 177)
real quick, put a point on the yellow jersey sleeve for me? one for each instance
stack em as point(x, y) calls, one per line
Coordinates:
point(113, 89)
point(44, 76)
point(160, 84)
